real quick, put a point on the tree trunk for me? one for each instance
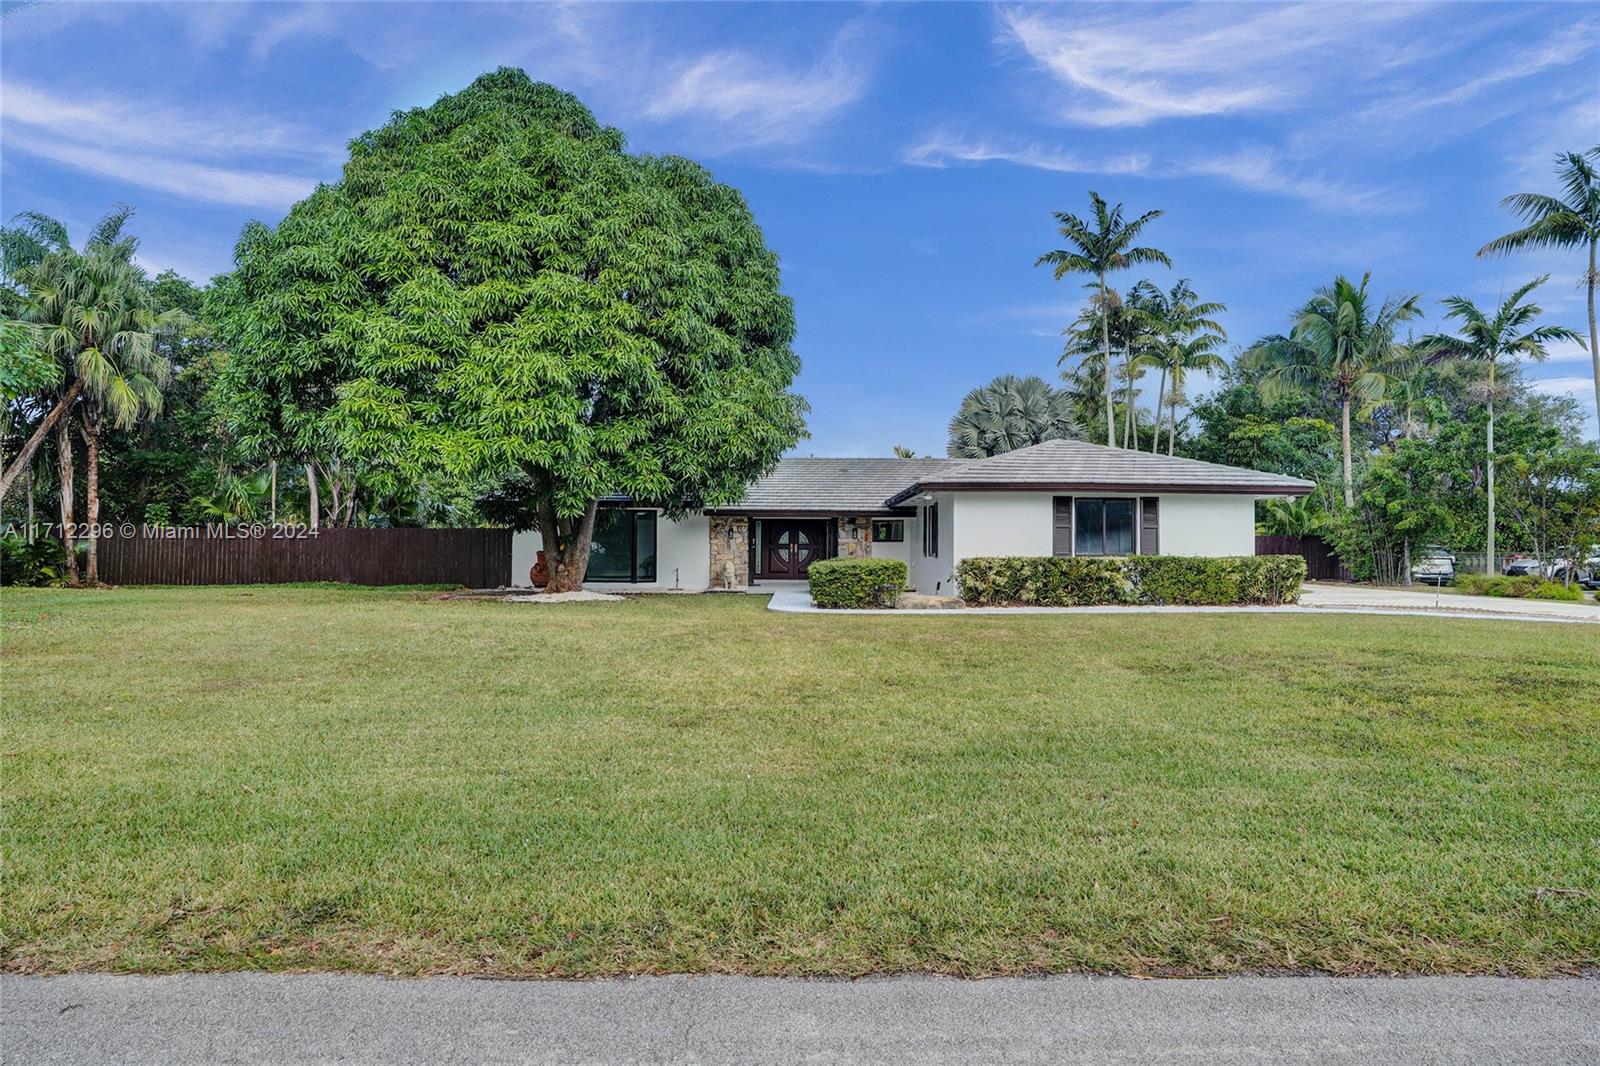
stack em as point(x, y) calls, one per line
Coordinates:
point(569, 559)
point(1161, 400)
point(1105, 346)
point(272, 508)
point(64, 480)
point(1405, 562)
point(31, 522)
point(1127, 400)
point(1344, 429)
point(91, 461)
point(1488, 566)
point(312, 506)
point(46, 424)
point(1172, 420)
point(1594, 335)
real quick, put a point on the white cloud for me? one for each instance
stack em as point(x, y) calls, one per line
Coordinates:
point(939, 150)
point(757, 102)
point(197, 181)
point(305, 20)
point(1569, 351)
point(1257, 168)
point(1564, 386)
point(108, 122)
point(1137, 65)
point(1562, 49)
point(143, 143)
point(1262, 169)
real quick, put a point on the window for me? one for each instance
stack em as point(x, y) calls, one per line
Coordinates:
point(930, 531)
point(889, 531)
point(624, 546)
point(1102, 527)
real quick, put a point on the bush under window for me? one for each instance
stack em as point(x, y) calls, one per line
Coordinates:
point(1139, 579)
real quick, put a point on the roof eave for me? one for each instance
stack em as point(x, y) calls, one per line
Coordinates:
point(1212, 488)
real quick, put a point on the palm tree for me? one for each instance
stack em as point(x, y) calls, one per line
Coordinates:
point(1340, 343)
point(902, 452)
point(90, 311)
point(1565, 223)
point(1010, 413)
point(1100, 248)
point(1179, 336)
point(1300, 517)
point(1510, 334)
point(1195, 355)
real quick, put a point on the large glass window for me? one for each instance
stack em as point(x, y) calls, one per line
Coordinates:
point(624, 546)
point(888, 531)
point(1102, 527)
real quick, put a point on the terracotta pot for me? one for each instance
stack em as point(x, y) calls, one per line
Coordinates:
point(540, 574)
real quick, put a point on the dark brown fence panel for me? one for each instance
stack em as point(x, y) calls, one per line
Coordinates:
point(477, 558)
point(1322, 564)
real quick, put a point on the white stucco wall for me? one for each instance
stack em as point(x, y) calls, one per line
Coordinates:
point(1208, 524)
point(683, 556)
point(1002, 523)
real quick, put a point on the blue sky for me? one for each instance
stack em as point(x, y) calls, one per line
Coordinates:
point(903, 159)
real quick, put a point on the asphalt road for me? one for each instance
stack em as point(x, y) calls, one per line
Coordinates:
point(261, 1018)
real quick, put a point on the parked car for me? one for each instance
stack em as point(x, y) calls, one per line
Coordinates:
point(1584, 571)
point(1523, 565)
point(1434, 566)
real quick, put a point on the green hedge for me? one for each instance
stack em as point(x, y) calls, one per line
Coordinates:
point(1137, 579)
point(1042, 581)
point(847, 583)
point(1522, 587)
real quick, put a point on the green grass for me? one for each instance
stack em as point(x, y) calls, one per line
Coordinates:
point(370, 780)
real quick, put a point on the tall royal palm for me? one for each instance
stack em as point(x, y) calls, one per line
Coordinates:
point(1100, 247)
point(1180, 336)
point(1341, 343)
point(1509, 335)
point(1572, 221)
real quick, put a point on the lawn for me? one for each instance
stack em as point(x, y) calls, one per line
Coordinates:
point(315, 778)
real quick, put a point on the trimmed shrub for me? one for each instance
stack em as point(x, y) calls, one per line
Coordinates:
point(841, 584)
point(1521, 587)
point(1196, 581)
point(1042, 581)
point(1138, 579)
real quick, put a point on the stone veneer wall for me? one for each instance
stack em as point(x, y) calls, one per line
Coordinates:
point(730, 552)
point(854, 537)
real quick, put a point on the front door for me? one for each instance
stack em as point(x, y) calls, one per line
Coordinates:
point(790, 546)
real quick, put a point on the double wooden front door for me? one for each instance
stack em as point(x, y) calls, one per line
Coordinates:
point(790, 546)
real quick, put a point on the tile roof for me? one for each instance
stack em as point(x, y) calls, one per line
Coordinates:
point(1070, 465)
point(836, 486)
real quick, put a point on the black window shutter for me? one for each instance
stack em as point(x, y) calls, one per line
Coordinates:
point(1061, 530)
point(1150, 526)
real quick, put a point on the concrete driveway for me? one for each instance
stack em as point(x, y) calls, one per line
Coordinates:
point(1423, 598)
point(1316, 597)
point(324, 1018)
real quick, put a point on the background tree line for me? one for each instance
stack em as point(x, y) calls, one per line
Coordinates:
point(1412, 440)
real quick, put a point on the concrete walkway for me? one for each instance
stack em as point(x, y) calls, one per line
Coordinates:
point(317, 1018)
point(1316, 599)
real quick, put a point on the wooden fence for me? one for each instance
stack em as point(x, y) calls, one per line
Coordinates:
point(1321, 562)
point(476, 558)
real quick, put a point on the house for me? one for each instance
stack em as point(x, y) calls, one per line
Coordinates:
point(1057, 498)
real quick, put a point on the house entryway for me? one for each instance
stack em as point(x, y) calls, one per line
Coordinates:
point(790, 545)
